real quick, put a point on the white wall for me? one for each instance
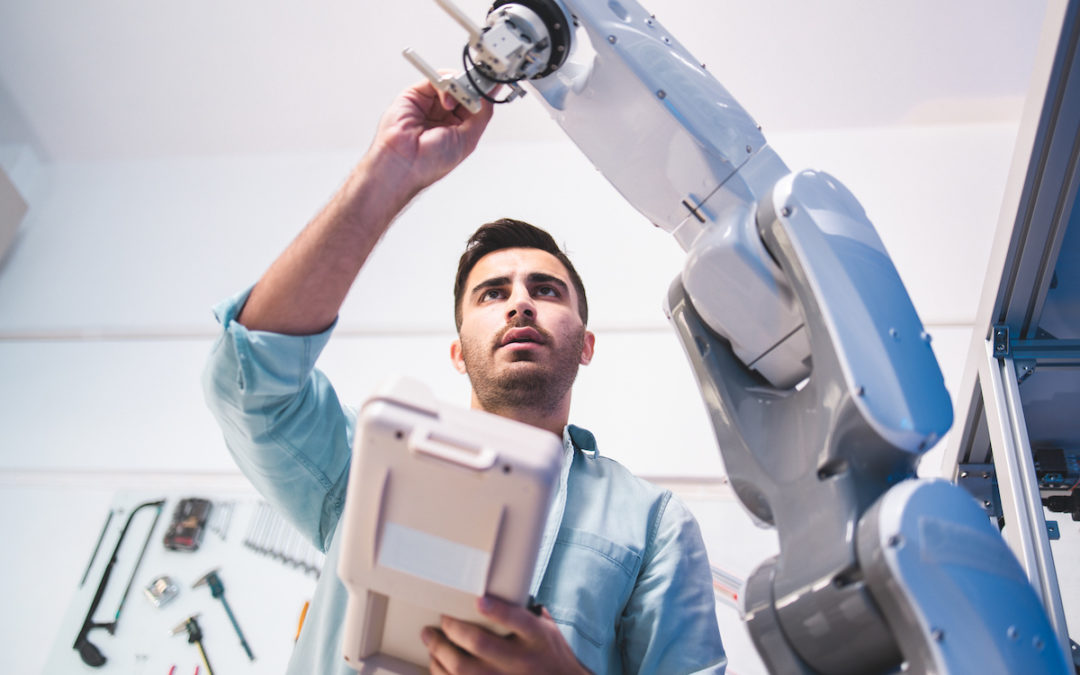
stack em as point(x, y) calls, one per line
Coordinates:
point(111, 285)
point(105, 321)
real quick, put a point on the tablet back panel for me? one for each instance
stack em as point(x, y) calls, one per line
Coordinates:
point(444, 505)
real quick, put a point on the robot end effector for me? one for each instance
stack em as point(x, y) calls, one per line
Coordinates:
point(520, 40)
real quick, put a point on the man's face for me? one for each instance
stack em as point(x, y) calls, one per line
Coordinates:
point(521, 338)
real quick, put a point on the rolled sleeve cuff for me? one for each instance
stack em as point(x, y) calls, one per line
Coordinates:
point(271, 363)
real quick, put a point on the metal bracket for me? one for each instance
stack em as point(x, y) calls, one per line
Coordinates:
point(980, 480)
point(1001, 342)
point(1052, 530)
point(1024, 369)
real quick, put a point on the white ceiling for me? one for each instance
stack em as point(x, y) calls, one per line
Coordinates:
point(137, 79)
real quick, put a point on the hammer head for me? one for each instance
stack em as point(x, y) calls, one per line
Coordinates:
point(190, 625)
point(211, 579)
point(207, 578)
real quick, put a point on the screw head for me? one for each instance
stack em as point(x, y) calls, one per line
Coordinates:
point(1000, 343)
point(1012, 633)
point(612, 39)
point(937, 634)
point(660, 93)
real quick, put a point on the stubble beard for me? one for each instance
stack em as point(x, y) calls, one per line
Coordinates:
point(523, 384)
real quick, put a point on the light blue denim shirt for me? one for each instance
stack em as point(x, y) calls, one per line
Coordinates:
point(622, 568)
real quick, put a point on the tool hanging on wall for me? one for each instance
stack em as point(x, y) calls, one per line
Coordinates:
point(97, 547)
point(303, 615)
point(188, 524)
point(220, 518)
point(217, 590)
point(195, 636)
point(161, 591)
point(89, 653)
point(269, 534)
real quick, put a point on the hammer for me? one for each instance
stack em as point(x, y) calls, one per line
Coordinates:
point(217, 590)
point(194, 637)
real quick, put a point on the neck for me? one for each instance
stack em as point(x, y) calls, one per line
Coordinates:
point(553, 420)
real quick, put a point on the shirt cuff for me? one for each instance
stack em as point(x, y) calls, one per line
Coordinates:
point(269, 362)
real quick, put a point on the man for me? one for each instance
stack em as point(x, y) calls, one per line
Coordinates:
point(623, 575)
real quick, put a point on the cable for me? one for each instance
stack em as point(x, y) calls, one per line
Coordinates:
point(468, 63)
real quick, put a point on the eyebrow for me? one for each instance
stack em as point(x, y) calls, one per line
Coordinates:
point(532, 278)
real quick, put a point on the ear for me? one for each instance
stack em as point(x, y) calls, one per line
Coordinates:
point(456, 356)
point(587, 348)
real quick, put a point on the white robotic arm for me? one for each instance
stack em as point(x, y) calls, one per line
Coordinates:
point(697, 158)
point(819, 378)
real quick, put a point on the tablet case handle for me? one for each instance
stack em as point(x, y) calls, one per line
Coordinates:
point(453, 450)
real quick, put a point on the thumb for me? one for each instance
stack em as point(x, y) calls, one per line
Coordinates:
point(447, 100)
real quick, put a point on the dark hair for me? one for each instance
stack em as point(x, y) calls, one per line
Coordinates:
point(510, 233)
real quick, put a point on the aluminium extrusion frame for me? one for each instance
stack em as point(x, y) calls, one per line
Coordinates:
point(1007, 344)
point(1021, 504)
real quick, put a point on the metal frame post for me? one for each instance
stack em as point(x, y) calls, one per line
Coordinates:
point(1021, 503)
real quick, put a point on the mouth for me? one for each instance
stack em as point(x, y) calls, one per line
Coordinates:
point(523, 337)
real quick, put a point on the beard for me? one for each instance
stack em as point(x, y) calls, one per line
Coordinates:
point(523, 382)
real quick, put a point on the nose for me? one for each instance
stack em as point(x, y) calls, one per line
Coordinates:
point(521, 303)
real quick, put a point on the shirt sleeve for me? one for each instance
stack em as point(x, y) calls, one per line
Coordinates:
point(669, 623)
point(281, 418)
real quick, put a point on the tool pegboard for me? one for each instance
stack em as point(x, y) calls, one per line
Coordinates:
point(257, 563)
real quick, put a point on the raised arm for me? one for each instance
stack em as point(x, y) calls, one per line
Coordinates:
point(422, 136)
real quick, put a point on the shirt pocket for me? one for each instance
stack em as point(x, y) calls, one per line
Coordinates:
point(587, 583)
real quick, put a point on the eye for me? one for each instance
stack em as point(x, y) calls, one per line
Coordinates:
point(491, 294)
point(547, 291)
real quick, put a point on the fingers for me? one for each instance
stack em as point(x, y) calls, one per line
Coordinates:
point(517, 620)
point(478, 641)
point(448, 102)
point(534, 643)
point(426, 91)
point(473, 126)
point(447, 656)
point(429, 133)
